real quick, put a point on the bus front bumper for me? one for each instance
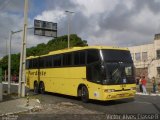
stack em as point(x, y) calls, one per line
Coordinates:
point(119, 95)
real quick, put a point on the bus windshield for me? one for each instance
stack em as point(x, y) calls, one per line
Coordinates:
point(119, 67)
point(116, 56)
point(119, 73)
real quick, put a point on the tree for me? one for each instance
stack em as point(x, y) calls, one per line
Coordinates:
point(41, 49)
point(15, 58)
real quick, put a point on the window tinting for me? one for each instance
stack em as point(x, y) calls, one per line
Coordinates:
point(79, 58)
point(82, 57)
point(76, 58)
point(27, 64)
point(67, 59)
point(48, 61)
point(92, 56)
point(57, 60)
point(94, 73)
point(30, 63)
point(35, 63)
point(41, 62)
point(116, 55)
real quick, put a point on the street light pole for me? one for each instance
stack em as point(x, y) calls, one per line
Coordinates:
point(9, 59)
point(69, 12)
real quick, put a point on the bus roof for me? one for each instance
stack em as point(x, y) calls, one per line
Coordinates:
point(77, 49)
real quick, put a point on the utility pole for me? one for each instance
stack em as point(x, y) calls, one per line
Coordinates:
point(21, 89)
point(1, 85)
point(9, 63)
point(69, 13)
point(6, 55)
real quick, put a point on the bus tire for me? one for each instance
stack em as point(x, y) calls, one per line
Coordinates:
point(84, 94)
point(36, 87)
point(42, 88)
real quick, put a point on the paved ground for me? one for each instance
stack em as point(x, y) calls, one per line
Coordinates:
point(15, 106)
point(64, 107)
point(141, 104)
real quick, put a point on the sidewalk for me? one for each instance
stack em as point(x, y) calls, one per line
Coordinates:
point(17, 106)
point(150, 94)
point(149, 91)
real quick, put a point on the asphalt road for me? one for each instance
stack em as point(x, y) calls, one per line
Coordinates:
point(140, 105)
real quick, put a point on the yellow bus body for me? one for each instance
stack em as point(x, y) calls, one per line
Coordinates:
point(66, 80)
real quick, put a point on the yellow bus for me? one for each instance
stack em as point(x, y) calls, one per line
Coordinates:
point(92, 72)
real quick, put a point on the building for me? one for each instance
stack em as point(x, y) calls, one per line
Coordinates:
point(147, 58)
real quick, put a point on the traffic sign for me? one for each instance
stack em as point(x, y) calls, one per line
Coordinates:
point(45, 28)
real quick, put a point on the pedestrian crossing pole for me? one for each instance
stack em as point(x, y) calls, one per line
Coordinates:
point(21, 88)
point(1, 85)
point(27, 103)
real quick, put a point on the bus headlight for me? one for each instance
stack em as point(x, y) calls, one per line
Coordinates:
point(133, 88)
point(109, 90)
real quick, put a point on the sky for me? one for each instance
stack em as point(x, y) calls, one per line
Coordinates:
point(121, 23)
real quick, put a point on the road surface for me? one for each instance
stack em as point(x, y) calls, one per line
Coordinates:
point(142, 104)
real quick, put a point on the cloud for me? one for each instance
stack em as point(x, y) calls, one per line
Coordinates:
point(101, 22)
point(128, 21)
point(52, 15)
point(106, 21)
point(9, 22)
point(92, 7)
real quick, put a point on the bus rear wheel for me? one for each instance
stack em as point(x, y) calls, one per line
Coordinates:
point(36, 87)
point(84, 94)
point(42, 88)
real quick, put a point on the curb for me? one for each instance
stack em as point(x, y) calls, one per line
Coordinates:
point(148, 94)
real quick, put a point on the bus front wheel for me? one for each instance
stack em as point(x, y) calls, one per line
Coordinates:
point(84, 94)
point(41, 88)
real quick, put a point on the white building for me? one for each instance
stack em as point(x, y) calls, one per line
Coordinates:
point(147, 58)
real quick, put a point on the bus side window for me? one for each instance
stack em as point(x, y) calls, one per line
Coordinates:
point(67, 59)
point(57, 61)
point(30, 64)
point(92, 56)
point(79, 58)
point(35, 63)
point(76, 58)
point(48, 61)
point(27, 64)
point(82, 57)
point(41, 63)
